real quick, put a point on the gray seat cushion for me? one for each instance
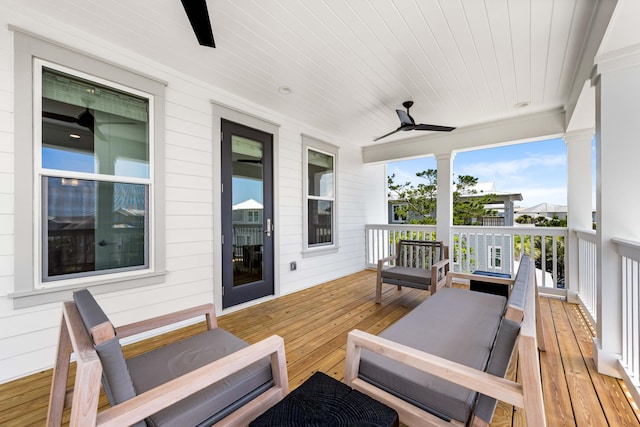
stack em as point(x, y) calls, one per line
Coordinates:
point(455, 324)
point(408, 276)
point(518, 295)
point(166, 363)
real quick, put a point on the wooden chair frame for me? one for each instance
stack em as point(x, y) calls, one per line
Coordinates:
point(83, 399)
point(527, 394)
point(438, 270)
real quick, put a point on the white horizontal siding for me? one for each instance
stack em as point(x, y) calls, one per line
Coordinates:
point(28, 336)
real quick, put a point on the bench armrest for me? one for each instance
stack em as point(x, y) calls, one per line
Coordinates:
point(385, 260)
point(468, 276)
point(206, 310)
point(490, 385)
point(158, 398)
point(439, 273)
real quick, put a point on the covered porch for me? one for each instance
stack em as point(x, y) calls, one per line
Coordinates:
point(314, 324)
point(589, 89)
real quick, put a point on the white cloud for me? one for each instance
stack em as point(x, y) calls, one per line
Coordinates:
point(512, 170)
point(536, 195)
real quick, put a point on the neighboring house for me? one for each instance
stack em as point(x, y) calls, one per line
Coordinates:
point(247, 225)
point(503, 206)
point(546, 210)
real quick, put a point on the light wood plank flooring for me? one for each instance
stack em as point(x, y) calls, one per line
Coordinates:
point(314, 324)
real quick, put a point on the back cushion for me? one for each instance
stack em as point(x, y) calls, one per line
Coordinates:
point(498, 364)
point(115, 375)
point(518, 294)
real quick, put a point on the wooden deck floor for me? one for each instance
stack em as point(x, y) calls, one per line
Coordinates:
point(314, 324)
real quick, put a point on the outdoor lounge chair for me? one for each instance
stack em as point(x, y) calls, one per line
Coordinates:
point(213, 377)
point(421, 264)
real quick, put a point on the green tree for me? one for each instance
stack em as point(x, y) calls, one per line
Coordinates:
point(420, 200)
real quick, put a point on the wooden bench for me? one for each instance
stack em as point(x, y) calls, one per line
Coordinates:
point(210, 378)
point(444, 362)
point(420, 264)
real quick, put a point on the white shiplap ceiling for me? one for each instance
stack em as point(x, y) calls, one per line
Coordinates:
point(350, 64)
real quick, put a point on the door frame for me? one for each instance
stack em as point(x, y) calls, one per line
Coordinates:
point(222, 111)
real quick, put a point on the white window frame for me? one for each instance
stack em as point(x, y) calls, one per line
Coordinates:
point(394, 215)
point(40, 172)
point(30, 53)
point(311, 143)
point(492, 257)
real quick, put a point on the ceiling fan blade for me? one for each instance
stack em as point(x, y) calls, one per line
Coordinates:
point(59, 117)
point(405, 118)
point(435, 128)
point(199, 18)
point(390, 133)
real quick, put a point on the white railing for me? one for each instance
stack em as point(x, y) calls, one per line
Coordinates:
point(494, 249)
point(498, 249)
point(630, 274)
point(380, 239)
point(588, 272)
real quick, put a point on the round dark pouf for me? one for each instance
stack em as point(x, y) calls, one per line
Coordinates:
point(324, 401)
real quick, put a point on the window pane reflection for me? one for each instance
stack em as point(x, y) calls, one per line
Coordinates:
point(92, 226)
point(320, 170)
point(320, 214)
point(91, 128)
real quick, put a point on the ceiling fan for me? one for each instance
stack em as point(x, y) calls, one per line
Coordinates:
point(199, 18)
point(407, 123)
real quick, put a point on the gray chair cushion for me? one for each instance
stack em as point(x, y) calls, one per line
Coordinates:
point(115, 376)
point(408, 276)
point(436, 326)
point(498, 364)
point(166, 363)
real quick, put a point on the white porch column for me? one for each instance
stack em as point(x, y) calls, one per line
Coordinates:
point(579, 179)
point(444, 210)
point(617, 82)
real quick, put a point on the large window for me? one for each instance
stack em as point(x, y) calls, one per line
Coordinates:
point(320, 194)
point(94, 174)
point(89, 174)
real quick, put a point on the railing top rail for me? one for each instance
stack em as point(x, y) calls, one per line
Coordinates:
point(400, 227)
point(586, 234)
point(529, 231)
point(627, 248)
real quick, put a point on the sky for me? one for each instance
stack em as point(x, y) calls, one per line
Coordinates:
point(537, 170)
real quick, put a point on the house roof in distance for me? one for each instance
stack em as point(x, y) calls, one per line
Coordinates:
point(544, 208)
point(247, 204)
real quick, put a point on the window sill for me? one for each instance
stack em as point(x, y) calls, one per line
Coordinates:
point(323, 250)
point(64, 293)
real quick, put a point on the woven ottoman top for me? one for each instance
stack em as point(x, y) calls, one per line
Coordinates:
point(324, 401)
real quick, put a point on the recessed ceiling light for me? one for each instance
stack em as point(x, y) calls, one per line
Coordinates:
point(74, 136)
point(285, 90)
point(522, 104)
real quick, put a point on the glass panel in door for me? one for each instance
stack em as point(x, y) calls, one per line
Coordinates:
point(247, 212)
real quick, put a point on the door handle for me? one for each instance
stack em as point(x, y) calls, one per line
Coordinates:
point(268, 228)
point(105, 243)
